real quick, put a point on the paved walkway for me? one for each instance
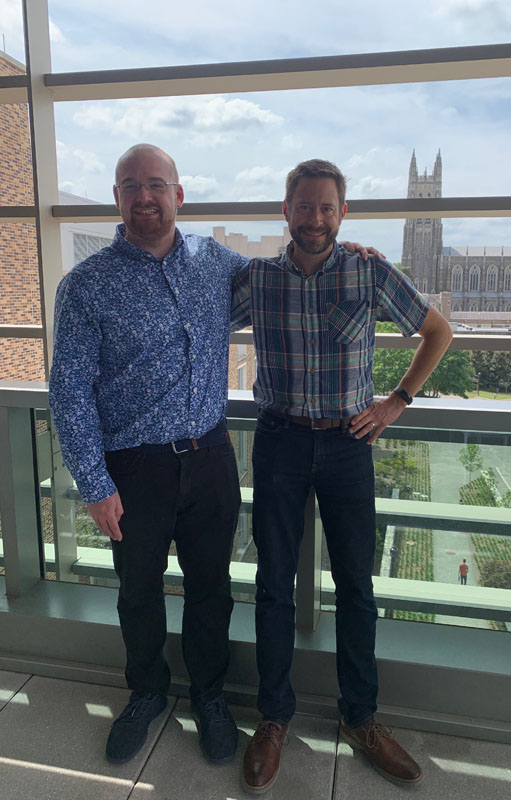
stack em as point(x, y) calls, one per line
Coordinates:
point(450, 547)
point(53, 733)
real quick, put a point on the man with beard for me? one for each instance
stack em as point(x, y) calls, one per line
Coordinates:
point(313, 311)
point(138, 392)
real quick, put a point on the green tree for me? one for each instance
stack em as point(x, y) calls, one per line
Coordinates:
point(389, 365)
point(471, 458)
point(454, 375)
point(493, 369)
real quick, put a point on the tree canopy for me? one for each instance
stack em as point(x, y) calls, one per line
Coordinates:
point(454, 374)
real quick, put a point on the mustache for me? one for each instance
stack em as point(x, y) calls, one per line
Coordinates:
point(302, 229)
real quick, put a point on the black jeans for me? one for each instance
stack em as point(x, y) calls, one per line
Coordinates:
point(289, 459)
point(193, 498)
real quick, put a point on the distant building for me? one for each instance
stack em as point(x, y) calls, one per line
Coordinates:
point(478, 278)
point(265, 247)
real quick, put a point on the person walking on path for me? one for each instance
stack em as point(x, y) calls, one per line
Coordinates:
point(463, 571)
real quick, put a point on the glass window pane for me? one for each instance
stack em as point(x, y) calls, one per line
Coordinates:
point(98, 35)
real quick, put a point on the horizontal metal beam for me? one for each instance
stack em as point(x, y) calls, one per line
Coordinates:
point(17, 213)
point(395, 341)
point(384, 341)
point(391, 208)
point(409, 66)
point(13, 89)
point(21, 332)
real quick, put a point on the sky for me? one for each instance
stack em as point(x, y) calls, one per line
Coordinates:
point(240, 147)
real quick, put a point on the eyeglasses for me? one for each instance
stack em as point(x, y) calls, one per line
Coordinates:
point(158, 186)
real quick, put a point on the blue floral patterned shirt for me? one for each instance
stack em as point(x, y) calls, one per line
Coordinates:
point(141, 351)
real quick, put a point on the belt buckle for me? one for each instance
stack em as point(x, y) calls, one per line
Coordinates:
point(314, 426)
point(177, 452)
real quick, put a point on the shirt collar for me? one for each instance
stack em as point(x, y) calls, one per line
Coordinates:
point(121, 243)
point(325, 267)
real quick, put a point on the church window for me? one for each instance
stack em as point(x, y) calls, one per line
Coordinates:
point(473, 279)
point(491, 279)
point(491, 307)
point(473, 307)
point(507, 280)
point(457, 275)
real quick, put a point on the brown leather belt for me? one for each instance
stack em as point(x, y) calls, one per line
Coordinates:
point(309, 422)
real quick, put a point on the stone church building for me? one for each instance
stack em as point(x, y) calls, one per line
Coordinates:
point(478, 278)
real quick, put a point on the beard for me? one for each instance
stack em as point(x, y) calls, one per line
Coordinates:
point(150, 227)
point(313, 247)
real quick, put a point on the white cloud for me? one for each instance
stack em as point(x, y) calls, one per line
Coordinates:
point(292, 142)
point(207, 121)
point(373, 186)
point(198, 185)
point(56, 35)
point(260, 175)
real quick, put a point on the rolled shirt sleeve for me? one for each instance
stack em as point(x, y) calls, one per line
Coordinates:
point(398, 297)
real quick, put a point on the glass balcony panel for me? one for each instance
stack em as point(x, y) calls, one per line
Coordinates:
point(466, 483)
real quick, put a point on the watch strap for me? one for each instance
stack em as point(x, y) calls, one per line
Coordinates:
point(403, 394)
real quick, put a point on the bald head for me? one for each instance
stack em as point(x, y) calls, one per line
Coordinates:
point(141, 150)
point(148, 195)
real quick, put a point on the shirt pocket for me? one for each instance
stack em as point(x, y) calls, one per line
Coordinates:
point(348, 320)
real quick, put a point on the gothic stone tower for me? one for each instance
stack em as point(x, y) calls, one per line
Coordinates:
point(422, 238)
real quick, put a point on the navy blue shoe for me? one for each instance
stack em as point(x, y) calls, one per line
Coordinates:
point(218, 734)
point(129, 731)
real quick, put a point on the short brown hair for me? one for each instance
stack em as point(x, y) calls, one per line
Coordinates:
point(315, 168)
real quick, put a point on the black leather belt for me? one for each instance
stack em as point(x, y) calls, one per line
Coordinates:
point(218, 435)
point(320, 424)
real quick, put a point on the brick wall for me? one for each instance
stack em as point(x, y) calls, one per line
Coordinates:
point(20, 359)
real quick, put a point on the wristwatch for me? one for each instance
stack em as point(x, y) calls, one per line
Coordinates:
point(403, 394)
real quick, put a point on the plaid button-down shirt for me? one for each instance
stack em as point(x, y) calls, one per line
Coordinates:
point(314, 335)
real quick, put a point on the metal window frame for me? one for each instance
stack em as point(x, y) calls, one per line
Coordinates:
point(41, 89)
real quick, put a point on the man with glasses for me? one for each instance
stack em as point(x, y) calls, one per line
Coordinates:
point(138, 392)
point(313, 311)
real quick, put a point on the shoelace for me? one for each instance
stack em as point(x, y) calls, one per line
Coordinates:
point(375, 733)
point(216, 711)
point(270, 730)
point(136, 707)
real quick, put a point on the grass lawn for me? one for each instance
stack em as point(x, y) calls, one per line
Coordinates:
point(489, 395)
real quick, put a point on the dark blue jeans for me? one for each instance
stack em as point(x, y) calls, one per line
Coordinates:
point(192, 498)
point(288, 459)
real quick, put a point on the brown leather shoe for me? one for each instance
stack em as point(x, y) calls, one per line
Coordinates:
point(385, 754)
point(262, 757)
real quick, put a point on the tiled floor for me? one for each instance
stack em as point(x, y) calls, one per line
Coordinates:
point(53, 732)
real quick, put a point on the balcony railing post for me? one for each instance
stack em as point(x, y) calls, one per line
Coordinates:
point(18, 503)
point(308, 578)
point(63, 505)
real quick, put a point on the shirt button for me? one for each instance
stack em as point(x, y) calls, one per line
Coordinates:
point(312, 371)
point(176, 291)
point(310, 310)
point(193, 356)
point(195, 390)
point(313, 341)
point(192, 423)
